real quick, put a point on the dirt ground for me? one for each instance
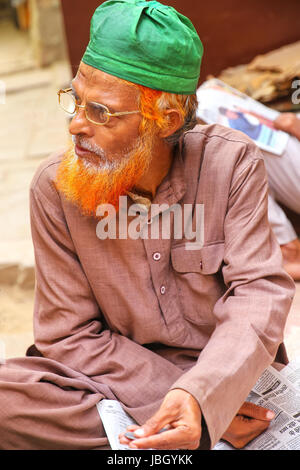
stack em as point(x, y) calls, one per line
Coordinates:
point(16, 325)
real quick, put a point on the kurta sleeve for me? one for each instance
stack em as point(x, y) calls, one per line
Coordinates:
point(251, 315)
point(68, 325)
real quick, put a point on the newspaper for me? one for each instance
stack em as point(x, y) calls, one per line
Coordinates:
point(280, 392)
point(292, 372)
point(115, 421)
point(222, 104)
point(277, 391)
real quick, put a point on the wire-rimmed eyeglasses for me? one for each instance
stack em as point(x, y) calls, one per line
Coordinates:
point(96, 113)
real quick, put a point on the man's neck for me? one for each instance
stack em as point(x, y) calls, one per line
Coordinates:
point(159, 167)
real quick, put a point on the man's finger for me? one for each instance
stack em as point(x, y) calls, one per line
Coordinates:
point(132, 427)
point(284, 121)
point(161, 419)
point(257, 412)
point(177, 438)
point(122, 438)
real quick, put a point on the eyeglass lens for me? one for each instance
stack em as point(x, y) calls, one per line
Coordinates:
point(67, 102)
point(94, 111)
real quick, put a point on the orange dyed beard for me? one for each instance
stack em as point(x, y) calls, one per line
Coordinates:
point(87, 185)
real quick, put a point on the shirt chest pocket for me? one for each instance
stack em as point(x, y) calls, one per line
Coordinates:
point(199, 280)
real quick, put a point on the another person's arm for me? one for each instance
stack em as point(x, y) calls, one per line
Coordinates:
point(288, 122)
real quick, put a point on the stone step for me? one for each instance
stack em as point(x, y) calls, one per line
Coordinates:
point(29, 79)
point(17, 263)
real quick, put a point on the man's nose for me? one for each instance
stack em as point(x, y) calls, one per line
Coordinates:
point(80, 125)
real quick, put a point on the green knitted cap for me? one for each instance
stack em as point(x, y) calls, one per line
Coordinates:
point(146, 43)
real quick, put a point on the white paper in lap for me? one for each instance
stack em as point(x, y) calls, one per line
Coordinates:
point(115, 421)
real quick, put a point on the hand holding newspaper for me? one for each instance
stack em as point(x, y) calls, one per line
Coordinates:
point(278, 391)
point(219, 103)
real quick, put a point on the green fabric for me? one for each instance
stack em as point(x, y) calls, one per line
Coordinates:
point(146, 43)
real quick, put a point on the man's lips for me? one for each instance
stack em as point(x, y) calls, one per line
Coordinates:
point(82, 152)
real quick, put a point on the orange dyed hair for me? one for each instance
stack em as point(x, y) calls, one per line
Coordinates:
point(154, 103)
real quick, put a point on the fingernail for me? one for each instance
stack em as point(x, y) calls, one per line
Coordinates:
point(139, 432)
point(270, 414)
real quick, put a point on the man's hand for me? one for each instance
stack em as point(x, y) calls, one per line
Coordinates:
point(288, 122)
point(250, 421)
point(181, 414)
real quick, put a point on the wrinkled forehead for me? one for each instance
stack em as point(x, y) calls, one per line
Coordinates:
point(92, 80)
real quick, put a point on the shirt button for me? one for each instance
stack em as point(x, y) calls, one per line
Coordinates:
point(156, 256)
point(162, 290)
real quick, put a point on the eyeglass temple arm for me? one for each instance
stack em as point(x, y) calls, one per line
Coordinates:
point(122, 113)
point(67, 90)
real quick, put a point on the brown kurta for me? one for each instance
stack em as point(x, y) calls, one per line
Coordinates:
point(132, 319)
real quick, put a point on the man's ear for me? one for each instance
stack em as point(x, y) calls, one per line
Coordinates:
point(174, 122)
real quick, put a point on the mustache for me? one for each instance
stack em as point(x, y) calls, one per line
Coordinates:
point(87, 145)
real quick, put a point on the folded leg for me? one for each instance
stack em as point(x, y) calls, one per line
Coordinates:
point(45, 405)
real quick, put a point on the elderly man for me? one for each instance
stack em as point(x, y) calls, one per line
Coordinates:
point(176, 328)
